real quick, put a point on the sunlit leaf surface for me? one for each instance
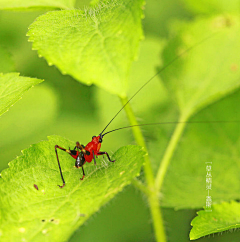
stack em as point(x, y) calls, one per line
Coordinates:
point(51, 213)
point(94, 46)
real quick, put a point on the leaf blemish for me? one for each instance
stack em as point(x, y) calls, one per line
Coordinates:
point(22, 230)
point(121, 172)
point(234, 67)
point(56, 221)
point(44, 231)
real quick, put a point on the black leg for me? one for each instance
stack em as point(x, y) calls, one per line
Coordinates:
point(58, 147)
point(94, 158)
point(83, 174)
point(105, 153)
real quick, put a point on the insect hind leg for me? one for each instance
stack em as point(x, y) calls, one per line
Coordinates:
point(58, 147)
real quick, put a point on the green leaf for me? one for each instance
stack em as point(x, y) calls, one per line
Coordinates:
point(213, 6)
point(12, 87)
point(202, 76)
point(224, 216)
point(96, 46)
point(51, 213)
point(206, 142)
point(36, 4)
point(6, 62)
point(207, 72)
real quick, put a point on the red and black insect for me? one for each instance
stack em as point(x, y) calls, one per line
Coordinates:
point(83, 154)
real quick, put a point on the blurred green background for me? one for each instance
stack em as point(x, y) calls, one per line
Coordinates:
point(65, 107)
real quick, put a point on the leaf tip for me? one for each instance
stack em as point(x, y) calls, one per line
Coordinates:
point(191, 236)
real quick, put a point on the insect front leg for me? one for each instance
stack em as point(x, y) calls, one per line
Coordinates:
point(105, 153)
point(94, 158)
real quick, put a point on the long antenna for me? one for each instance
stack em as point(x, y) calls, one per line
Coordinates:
point(188, 122)
point(162, 69)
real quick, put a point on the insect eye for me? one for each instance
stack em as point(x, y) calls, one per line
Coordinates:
point(100, 140)
point(93, 137)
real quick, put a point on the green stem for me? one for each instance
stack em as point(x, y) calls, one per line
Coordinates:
point(169, 153)
point(153, 198)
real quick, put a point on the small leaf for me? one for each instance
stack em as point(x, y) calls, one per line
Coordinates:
point(36, 4)
point(96, 46)
point(210, 70)
point(223, 217)
point(51, 213)
point(12, 87)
